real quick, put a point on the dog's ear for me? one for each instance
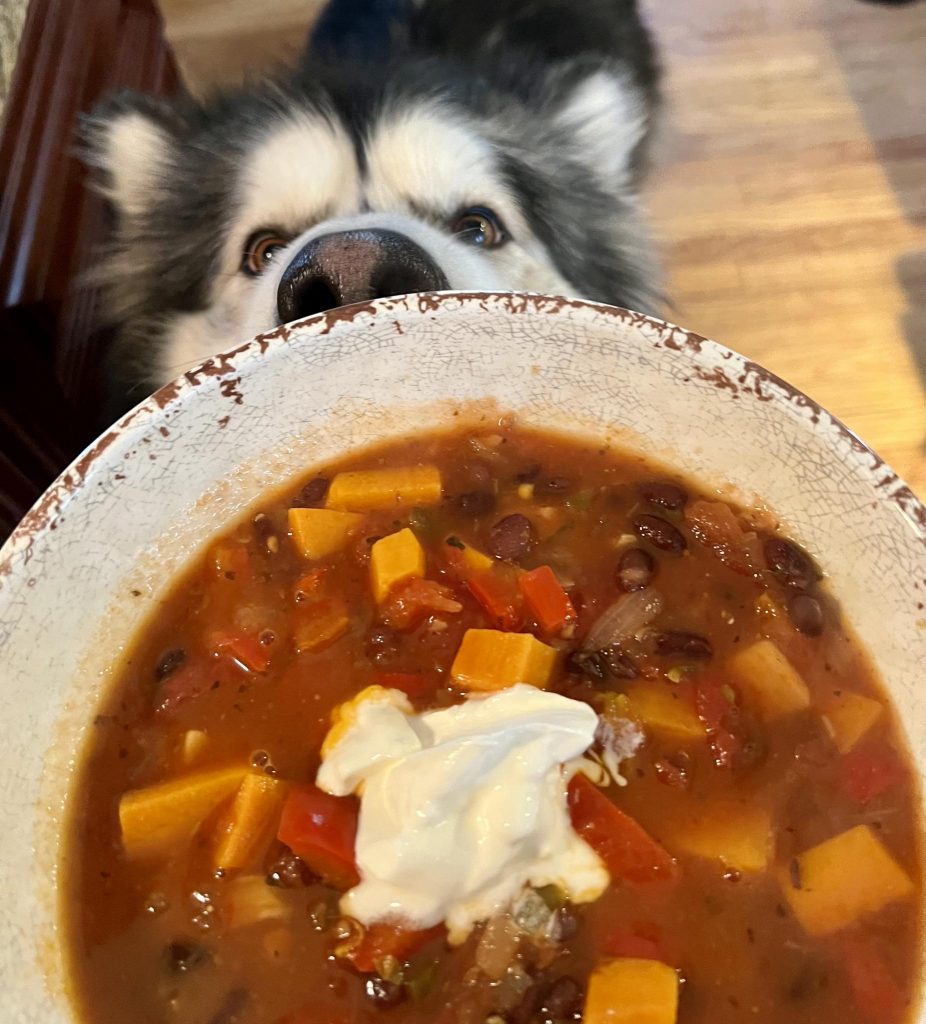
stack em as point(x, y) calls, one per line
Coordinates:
point(607, 118)
point(128, 143)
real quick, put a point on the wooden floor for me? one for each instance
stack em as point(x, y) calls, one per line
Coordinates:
point(789, 195)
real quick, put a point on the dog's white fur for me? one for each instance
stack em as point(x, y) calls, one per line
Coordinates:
point(303, 179)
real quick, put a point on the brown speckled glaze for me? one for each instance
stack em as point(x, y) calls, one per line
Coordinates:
point(89, 562)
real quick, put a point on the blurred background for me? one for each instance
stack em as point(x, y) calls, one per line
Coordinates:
point(788, 195)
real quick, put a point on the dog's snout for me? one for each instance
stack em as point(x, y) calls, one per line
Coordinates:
point(354, 266)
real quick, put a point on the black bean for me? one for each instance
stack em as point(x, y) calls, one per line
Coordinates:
point(313, 494)
point(806, 614)
point(669, 496)
point(383, 993)
point(564, 925)
point(599, 666)
point(635, 569)
point(289, 872)
point(529, 475)
point(476, 503)
point(512, 537)
point(382, 645)
point(789, 563)
point(688, 645)
point(169, 662)
point(263, 527)
point(660, 534)
point(563, 999)
point(589, 664)
point(183, 956)
point(619, 663)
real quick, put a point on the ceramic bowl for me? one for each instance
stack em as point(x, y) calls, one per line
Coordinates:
point(92, 559)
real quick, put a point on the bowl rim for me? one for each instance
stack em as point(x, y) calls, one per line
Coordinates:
point(750, 377)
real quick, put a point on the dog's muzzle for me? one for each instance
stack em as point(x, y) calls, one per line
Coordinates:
point(354, 266)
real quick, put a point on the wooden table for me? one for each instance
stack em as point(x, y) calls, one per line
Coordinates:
point(790, 192)
point(791, 199)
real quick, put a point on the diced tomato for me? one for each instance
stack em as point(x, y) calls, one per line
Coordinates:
point(498, 594)
point(639, 943)
point(310, 585)
point(868, 773)
point(321, 829)
point(720, 716)
point(413, 601)
point(388, 938)
point(246, 648)
point(714, 524)
point(412, 684)
point(547, 600)
point(627, 850)
point(876, 993)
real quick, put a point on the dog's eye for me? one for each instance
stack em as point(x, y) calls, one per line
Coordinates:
point(480, 226)
point(260, 251)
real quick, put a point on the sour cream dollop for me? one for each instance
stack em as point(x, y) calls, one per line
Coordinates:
point(462, 807)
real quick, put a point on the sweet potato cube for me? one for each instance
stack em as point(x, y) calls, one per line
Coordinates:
point(834, 884)
point(393, 560)
point(631, 991)
point(385, 489)
point(251, 818)
point(489, 659)
point(158, 819)
point(848, 717)
point(474, 560)
point(319, 532)
point(736, 835)
point(768, 680)
point(665, 710)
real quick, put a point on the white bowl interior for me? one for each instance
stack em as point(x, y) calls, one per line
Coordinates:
point(91, 561)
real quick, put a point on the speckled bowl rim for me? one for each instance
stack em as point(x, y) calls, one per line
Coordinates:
point(743, 376)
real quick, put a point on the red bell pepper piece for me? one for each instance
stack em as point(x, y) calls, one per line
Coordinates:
point(547, 600)
point(498, 594)
point(868, 773)
point(245, 648)
point(412, 684)
point(876, 993)
point(321, 830)
point(627, 850)
point(389, 938)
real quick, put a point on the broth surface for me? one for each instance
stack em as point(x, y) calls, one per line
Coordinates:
point(165, 939)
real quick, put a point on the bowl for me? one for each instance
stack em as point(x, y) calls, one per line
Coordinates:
point(92, 559)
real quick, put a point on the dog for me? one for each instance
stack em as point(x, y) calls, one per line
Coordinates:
point(419, 145)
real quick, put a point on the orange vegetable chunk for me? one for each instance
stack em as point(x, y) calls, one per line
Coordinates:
point(841, 880)
point(319, 532)
point(631, 991)
point(385, 489)
point(735, 834)
point(393, 560)
point(769, 681)
point(489, 659)
point(158, 819)
point(665, 710)
point(849, 717)
point(253, 813)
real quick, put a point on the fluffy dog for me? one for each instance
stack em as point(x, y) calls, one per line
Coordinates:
point(437, 144)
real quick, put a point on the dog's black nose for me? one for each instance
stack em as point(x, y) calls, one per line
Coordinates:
point(354, 266)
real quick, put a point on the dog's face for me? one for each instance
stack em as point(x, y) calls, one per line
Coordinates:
point(287, 200)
